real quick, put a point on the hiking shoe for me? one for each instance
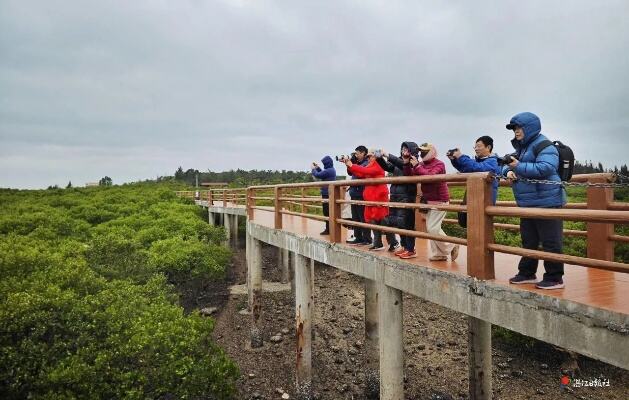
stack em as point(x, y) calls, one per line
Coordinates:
point(408, 254)
point(455, 252)
point(438, 258)
point(520, 279)
point(376, 247)
point(354, 242)
point(546, 284)
point(393, 248)
point(400, 251)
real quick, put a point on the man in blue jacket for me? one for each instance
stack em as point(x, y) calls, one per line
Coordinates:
point(328, 173)
point(534, 163)
point(484, 161)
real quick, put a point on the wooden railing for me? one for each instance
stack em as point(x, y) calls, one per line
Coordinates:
point(232, 196)
point(600, 213)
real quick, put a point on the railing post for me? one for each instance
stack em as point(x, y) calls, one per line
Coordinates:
point(599, 245)
point(334, 192)
point(480, 229)
point(480, 264)
point(210, 201)
point(224, 198)
point(303, 195)
point(249, 203)
point(278, 207)
point(420, 216)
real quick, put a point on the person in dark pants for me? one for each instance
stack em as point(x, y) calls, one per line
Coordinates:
point(403, 218)
point(362, 236)
point(532, 163)
point(328, 173)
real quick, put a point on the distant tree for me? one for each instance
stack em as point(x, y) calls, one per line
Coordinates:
point(106, 181)
point(69, 185)
point(179, 174)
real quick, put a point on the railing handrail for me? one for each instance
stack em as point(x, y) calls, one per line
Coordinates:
point(379, 181)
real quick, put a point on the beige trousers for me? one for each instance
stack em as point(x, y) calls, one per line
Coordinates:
point(434, 218)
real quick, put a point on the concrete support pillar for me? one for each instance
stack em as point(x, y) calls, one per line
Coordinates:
point(304, 311)
point(248, 261)
point(234, 230)
point(391, 343)
point(283, 259)
point(479, 349)
point(210, 218)
point(255, 300)
point(228, 229)
point(372, 375)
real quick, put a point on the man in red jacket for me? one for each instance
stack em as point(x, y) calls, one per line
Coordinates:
point(433, 193)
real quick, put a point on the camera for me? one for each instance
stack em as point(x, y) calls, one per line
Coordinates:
point(507, 159)
point(343, 157)
point(451, 151)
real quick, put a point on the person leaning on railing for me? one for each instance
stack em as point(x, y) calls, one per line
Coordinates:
point(526, 164)
point(362, 236)
point(403, 218)
point(433, 193)
point(328, 173)
point(373, 214)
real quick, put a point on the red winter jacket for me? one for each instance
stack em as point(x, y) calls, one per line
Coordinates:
point(436, 191)
point(372, 192)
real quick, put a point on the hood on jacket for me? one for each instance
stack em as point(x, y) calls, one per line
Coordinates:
point(411, 146)
point(529, 122)
point(327, 162)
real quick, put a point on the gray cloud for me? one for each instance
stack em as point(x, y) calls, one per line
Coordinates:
point(134, 89)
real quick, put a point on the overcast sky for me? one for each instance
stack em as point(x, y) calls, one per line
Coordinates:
point(134, 89)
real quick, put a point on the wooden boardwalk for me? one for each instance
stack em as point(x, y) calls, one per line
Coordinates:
point(589, 286)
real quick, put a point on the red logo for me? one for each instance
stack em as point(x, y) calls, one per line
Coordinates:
point(565, 380)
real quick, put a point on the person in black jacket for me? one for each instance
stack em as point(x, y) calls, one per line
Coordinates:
point(362, 236)
point(403, 218)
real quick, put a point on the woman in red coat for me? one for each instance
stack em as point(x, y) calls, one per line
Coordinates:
point(373, 214)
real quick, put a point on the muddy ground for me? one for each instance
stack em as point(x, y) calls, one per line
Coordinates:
point(435, 346)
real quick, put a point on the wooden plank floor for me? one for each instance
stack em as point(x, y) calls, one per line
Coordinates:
point(594, 287)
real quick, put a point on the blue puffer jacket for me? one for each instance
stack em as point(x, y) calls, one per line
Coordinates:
point(328, 173)
point(544, 166)
point(356, 192)
point(488, 164)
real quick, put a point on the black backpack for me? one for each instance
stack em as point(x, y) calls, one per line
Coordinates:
point(566, 158)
